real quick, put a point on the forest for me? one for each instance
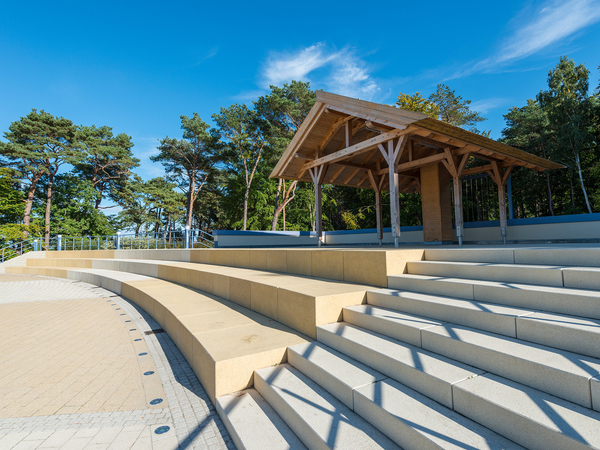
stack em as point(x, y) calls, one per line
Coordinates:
point(60, 178)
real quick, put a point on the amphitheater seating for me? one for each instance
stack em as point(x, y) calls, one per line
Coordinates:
point(449, 348)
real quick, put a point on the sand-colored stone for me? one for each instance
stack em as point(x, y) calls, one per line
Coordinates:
point(328, 264)
point(365, 267)
point(242, 258)
point(221, 286)
point(263, 299)
point(240, 291)
point(200, 255)
point(64, 355)
point(257, 259)
point(277, 261)
point(299, 262)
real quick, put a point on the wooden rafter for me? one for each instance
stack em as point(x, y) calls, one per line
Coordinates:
point(354, 150)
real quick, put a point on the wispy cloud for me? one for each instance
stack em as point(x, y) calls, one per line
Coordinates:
point(340, 71)
point(537, 30)
point(209, 54)
point(487, 104)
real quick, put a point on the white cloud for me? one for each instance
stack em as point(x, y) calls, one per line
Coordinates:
point(555, 21)
point(341, 71)
point(487, 104)
point(548, 25)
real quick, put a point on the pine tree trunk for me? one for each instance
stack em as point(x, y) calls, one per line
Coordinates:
point(587, 201)
point(549, 186)
point(190, 205)
point(246, 196)
point(276, 210)
point(572, 189)
point(48, 209)
point(29, 202)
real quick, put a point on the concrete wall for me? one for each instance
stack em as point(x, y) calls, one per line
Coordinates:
point(574, 228)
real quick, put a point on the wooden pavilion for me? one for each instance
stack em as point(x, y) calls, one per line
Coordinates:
point(351, 142)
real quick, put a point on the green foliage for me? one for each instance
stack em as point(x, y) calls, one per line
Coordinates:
point(570, 112)
point(190, 162)
point(417, 103)
point(73, 209)
point(454, 110)
point(12, 233)
point(106, 160)
point(11, 196)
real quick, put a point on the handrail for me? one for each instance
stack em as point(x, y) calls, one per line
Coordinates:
point(125, 241)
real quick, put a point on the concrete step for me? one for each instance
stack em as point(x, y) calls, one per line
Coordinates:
point(512, 273)
point(398, 325)
point(575, 302)
point(563, 374)
point(409, 418)
point(587, 255)
point(429, 373)
point(317, 417)
point(534, 419)
point(484, 316)
point(416, 422)
point(575, 334)
point(253, 424)
point(339, 374)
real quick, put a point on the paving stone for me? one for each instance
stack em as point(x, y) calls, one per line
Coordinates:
point(187, 406)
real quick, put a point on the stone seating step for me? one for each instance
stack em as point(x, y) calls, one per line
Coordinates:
point(338, 373)
point(297, 301)
point(561, 373)
point(575, 302)
point(587, 255)
point(319, 419)
point(431, 374)
point(253, 424)
point(532, 418)
point(395, 324)
point(224, 342)
point(411, 419)
point(545, 275)
point(572, 333)
point(511, 273)
point(414, 421)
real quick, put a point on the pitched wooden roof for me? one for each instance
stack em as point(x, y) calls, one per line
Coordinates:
point(336, 121)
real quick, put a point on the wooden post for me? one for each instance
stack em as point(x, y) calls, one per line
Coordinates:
point(502, 202)
point(376, 183)
point(456, 171)
point(500, 179)
point(458, 211)
point(394, 200)
point(392, 156)
point(318, 174)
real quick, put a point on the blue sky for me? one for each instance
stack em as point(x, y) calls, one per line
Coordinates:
point(138, 66)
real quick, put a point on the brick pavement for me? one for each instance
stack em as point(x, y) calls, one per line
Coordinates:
point(72, 374)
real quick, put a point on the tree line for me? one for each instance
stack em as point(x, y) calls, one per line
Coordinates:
point(60, 178)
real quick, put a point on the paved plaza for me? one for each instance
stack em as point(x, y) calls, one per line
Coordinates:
point(83, 368)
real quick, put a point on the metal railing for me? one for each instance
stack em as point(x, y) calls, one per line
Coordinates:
point(120, 241)
point(18, 248)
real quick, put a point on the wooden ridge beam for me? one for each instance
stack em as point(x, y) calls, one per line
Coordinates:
point(398, 123)
point(356, 149)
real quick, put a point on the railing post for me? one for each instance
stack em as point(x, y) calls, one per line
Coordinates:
point(186, 244)
point(118, 240)
point(59, 243)
point(35, 245)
